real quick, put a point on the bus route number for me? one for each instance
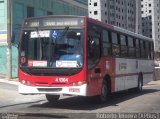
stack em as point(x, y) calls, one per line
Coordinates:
point(61, 80)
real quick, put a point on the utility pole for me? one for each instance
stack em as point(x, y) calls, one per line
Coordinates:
point(9, 48)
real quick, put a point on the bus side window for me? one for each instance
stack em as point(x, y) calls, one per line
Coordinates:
point(147, 45)
point(142, 47)
point(106, 43)
point(131, 48)
point(124, 48)
point(137, 48)
point(115, 44)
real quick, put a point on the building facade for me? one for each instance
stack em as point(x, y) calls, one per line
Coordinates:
point(122, 13)
point(21, 9)
point(150, 10)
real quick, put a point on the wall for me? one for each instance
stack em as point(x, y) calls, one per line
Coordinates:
point(19, 12)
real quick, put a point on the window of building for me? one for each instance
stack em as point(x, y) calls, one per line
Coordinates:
point(30, 11)
point(105, 13)
point(95, 4)
point(95, 12)
point(1, 1)
point(105, 5)
point(49, 13)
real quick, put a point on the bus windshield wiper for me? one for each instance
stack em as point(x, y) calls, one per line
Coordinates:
point(64, 32)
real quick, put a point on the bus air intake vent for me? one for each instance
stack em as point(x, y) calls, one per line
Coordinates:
point(49, 89)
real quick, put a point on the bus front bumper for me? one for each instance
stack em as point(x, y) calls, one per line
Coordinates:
point(70, 90)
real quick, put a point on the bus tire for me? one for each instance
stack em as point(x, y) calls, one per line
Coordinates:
point(52, 98)
point(104, 93)
point(140, 83)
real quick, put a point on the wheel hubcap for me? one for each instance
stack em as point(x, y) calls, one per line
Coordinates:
point(140, 85)
point(104, 92)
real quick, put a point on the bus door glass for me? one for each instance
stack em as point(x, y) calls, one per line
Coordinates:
point(93, 48)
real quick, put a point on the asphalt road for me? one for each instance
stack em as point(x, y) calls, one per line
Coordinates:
point(36, 106)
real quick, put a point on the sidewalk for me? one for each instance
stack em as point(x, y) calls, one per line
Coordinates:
point(154, 83)
point(11, 81)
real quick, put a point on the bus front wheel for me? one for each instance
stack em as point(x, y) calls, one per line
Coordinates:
point(104, 93)
point(52, 98)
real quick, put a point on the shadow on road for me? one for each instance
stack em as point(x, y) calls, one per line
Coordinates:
point(42, 116)
point(88, 103)
point(12, 105)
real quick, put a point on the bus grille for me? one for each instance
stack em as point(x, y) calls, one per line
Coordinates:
point(49, 89)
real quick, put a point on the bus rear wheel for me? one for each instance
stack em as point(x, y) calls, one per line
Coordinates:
point(140, 83)
point(52, 98)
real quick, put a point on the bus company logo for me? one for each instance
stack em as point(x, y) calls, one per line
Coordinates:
point(23, 59)
point(58, 63)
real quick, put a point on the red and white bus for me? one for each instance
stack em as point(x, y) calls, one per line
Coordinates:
point(77, 55)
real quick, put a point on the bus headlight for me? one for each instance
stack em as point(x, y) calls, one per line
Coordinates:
point(23, 82)
point(78, 83)
point(73, 84)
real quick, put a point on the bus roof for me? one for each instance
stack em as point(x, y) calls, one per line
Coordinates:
point(118, 29)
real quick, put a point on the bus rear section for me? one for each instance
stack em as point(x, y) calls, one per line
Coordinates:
point(117, 59)
point(51, 56)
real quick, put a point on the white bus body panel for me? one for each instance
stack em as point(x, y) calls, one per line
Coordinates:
point(70, 90)
point(127, 71)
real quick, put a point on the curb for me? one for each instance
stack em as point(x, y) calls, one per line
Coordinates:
point(155, 83)
point(13, 81)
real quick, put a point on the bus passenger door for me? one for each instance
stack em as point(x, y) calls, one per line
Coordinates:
point(93, 59)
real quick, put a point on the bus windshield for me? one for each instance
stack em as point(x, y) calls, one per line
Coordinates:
point(55, 48)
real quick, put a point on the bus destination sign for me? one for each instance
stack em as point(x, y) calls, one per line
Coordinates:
point(57, 22)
